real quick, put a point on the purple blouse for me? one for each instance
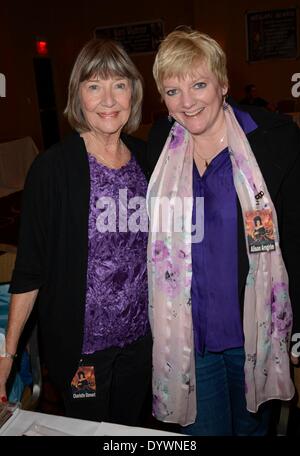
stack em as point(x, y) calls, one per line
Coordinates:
point(116, 298)
point(215, 301)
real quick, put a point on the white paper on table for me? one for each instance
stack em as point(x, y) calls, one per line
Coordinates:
point(24, 422)
point(9, 422)
point(36, 429)
point(59, 424)
point(109, 429)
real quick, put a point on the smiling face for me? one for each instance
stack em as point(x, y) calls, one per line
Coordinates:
point(106, 103)
point(195, 100)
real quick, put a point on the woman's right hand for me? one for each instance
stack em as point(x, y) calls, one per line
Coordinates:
point(20, 308)
point(5, 368)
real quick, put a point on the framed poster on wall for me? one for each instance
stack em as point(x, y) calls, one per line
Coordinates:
point(272, 34)
point(136, 38)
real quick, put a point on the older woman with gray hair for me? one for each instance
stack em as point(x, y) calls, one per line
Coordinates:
point(77, 253)
point(220, 303)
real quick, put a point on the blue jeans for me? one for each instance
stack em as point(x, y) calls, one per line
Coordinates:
point(221, 403)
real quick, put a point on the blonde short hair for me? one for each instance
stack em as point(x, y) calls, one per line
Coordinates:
point(181, 50)
point(103, 58)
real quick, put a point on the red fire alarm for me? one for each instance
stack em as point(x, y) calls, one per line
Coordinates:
point(42, 47)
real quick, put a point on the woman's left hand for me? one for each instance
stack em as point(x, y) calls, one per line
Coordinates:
point(294, 359)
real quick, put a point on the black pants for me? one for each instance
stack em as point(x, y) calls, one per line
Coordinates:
point(123, 385)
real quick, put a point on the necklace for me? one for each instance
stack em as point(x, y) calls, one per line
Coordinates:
point(207, 160)
point(108, 163)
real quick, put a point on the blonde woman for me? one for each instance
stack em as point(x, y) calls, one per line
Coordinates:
point(221, 316)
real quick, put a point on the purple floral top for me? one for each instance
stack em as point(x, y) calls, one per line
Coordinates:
point(116, 298)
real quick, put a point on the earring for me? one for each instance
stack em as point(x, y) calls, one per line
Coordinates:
point(170, 118)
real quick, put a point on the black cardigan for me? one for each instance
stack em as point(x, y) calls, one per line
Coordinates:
point(276, 146)
point(53, 248)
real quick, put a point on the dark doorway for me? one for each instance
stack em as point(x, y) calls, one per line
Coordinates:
point(46, 100)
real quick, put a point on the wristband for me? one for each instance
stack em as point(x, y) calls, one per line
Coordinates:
point(8, 355)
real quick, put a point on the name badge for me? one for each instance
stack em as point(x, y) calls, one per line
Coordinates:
point(260, 231)
point(83, 384)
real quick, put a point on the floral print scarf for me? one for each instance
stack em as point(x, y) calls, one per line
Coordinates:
point(267, 311)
